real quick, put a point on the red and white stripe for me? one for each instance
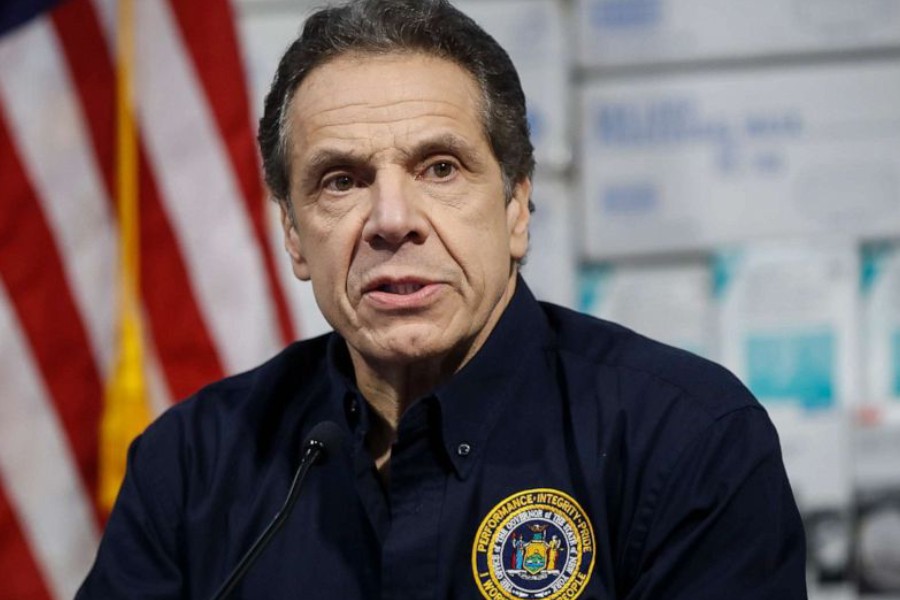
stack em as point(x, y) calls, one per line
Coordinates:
point(212, 300)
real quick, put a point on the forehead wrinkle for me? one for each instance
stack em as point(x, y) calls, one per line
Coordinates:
point(327, 117)
point(366, 108)
point(400, 127)
point(439, 128)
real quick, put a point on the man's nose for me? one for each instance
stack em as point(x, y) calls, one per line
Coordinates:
point(396, 214)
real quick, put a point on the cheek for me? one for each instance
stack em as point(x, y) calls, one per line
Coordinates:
point(479, 245)
point(330, 234)
point(337, 266)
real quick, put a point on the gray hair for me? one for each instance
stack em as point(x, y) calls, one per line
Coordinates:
point(433, 27)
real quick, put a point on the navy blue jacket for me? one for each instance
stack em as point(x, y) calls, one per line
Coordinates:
point(570, 457)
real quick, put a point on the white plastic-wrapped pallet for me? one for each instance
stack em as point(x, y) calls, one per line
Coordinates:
point(695, 161)
point(789, 330)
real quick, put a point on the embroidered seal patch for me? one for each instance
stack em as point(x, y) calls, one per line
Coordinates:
point(534, 544)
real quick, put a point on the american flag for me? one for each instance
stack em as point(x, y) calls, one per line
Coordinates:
point(211, 297)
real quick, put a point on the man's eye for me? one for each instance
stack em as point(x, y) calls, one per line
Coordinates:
point(339, 183)
point(441, 170)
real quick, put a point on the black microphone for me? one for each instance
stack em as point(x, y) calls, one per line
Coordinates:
point(325, 438)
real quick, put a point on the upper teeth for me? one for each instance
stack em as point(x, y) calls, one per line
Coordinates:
point(402, 288)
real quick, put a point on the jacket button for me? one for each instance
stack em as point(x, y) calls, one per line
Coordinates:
point(463, 449)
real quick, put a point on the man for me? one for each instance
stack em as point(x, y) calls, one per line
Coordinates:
point(495, 447)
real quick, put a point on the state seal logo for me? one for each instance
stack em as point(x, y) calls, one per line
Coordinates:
point(534, 544)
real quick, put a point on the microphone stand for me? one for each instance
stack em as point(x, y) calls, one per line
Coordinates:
point(314, 449)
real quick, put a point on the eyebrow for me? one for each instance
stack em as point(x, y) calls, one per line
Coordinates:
point(326, 158)
point(446, 143)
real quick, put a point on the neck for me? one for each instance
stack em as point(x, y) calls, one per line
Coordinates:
point(390, 390)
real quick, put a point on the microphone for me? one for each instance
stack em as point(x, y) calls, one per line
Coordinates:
point(324, 439)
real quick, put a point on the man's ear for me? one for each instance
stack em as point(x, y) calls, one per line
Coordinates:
point(292, 242)
point(517, 219)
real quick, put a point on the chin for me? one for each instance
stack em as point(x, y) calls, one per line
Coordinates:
point(401, 351)
point(411, 344)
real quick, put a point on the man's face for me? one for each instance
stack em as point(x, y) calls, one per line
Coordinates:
point(400, 218)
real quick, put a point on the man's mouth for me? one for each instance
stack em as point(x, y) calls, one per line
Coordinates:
point(402, 289)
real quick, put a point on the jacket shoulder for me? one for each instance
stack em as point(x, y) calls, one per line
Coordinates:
point(251, 413)
point(633, 358)
point(298, 366)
